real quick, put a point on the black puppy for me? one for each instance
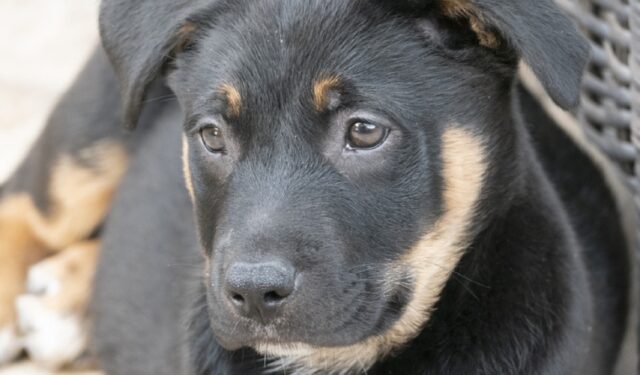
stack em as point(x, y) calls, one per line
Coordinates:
point(367, 197)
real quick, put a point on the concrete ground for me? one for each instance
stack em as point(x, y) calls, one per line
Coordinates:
point(44, 44)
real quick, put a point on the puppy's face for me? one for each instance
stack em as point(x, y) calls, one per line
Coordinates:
point(338, 152)
point(333, 158)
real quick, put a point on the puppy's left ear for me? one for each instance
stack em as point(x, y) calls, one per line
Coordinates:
point(140, 37)
point(540, 33)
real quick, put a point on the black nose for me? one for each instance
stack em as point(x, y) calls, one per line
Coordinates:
point(258, 290)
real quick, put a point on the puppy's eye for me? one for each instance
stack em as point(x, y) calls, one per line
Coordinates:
point(364, 135)
point(212, 138)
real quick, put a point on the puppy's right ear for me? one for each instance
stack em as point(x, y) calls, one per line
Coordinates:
point(140, 36)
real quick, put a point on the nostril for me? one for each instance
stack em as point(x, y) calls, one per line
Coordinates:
point(237, 298)
point(272, 298)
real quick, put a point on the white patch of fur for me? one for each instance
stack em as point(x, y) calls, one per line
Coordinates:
point(39, 281)
point(10, 345)
point(51, 339)
point(52, 315)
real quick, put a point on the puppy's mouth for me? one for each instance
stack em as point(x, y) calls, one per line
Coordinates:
point(283, 337)
point(258, 337)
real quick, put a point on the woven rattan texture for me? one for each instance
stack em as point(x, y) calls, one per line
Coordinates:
point(610, 103)
point(609, 109)
point(635, 92)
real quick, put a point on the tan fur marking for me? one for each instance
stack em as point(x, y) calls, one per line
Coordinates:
point(457, 8)
point(186, 170)
point(53, 313)
point(432, 261)
point(321, 91)
point(73, 268)
point(79, 198)
point(463, 8)
point(18, 249)
point(185, 34)
point(234, 99)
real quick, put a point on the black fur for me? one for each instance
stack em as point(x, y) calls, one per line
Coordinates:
point(541, 289)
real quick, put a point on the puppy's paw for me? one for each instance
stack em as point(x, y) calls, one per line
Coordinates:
point(53, 314)
point(10, 344)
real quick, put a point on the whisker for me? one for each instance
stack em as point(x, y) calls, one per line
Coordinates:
point(160, 99)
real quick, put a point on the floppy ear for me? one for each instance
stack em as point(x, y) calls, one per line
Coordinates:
point(140, 36)
point(537, 30)
point(540, 33)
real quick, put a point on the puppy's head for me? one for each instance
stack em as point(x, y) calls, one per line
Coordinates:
point(338, 152)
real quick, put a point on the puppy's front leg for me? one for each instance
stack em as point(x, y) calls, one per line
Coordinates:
point(80, 189)
point(18, 249)
point(53, 313)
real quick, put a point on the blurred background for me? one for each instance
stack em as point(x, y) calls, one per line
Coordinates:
point(44, 45)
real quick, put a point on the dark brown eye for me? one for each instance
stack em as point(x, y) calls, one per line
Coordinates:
point(364, 135)
point(212, 138)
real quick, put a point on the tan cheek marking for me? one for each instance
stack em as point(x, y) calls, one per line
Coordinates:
point(234, 99)
point(186, 169)
point(432, 261)
point(322, 89)
point(436, 255)
point(462, 8)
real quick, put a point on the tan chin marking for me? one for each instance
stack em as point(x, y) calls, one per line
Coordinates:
point(186, 169)
point(432, 261)
point(463, 8)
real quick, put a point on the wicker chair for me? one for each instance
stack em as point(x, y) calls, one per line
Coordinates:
point(610, 105)
point(609, 112)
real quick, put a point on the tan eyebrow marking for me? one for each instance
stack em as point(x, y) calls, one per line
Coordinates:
point(185, 35)
point(462, 8)
point(233, 97)
point(322, 88)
